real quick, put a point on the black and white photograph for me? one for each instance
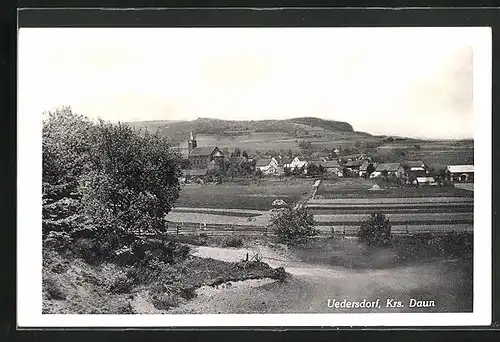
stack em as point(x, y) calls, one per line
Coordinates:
point(188, 175)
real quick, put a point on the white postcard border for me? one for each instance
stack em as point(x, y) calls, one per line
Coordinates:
point(29, 243)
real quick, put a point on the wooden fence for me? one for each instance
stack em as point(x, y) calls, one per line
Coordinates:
point(195, 229)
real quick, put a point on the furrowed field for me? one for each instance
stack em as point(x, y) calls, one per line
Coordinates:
point(360, 188)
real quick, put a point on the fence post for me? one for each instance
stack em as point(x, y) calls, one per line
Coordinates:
point(332, 231)
point(177, 229)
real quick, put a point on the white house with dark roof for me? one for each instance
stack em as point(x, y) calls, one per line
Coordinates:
point(332, 167)
point(390, 169)
point(267, 165)
point(460, 173)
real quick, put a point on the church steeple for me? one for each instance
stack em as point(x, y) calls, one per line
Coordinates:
point(192, 142)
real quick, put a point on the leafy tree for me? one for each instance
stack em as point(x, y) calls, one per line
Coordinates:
point(315, 170)
point(67, 141)
point(370, 169)
point(376, 231)
point(113, 180)
point(293, 226)
point(245, 154)
point(259, 174)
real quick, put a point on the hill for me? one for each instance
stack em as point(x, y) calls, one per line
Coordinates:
point(298, 127)
point(285, 135)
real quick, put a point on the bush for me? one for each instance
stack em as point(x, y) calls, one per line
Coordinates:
point(232, 241)
point(121, 284)
point(165, 301)
point(91, 250)
point(293, 226)
point(376, 231)
point(53, 289)
point(164, 251)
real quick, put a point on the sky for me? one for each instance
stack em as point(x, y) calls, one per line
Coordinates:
point(415, 82)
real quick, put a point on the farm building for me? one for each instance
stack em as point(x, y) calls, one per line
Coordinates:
point(267, 165)
point(297, 163)
point(415, 168)
point(353, 157)
point(193, 174)
point(354, 165)
point(332, 167)
point(389, 169)
point(284, 161)
point(460, 173)
point(425, 181)
point(365, 170)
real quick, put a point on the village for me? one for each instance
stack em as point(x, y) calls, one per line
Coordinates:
point(228, 191)
point(209, 162)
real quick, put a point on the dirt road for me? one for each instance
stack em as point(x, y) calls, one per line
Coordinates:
point(311, 285)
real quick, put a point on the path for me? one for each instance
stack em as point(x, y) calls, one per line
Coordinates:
point(311, 285)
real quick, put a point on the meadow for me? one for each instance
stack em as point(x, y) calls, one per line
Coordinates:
point(243, 194)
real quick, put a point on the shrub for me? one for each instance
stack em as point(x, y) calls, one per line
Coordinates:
point(293, 226)
point(164, 301)
point(53, 289)
point(91, 250)
point(232, 241)
point(121, 284)
point(376, 230)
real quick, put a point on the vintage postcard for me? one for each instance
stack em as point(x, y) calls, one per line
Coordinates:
point(175, 177)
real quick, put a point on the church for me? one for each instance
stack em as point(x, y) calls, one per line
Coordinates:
point(206, 157)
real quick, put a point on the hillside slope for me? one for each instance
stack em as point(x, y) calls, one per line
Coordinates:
point(297, 127)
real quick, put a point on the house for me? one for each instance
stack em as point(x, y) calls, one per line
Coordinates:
point(297, 163)
point(193, 174)
point(389, 169)
point(415, 168)
point(353, 157)
point(425, 181)
point(332, 167)
point(460, 173)
point(267, 165)
point(354, 165)
point(321, 155)
point(205, 157)
point(284, 161)
point(365, 168)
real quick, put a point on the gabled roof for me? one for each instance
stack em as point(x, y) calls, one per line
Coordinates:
point(414, 163)
point(263, 162)
point(460, 168)
point(354, 163)
point(364, 166)
point(329, 164)
point(388, 167)
point(428, 179)
point(202, 151)
point(357, 155)
point(194, 172)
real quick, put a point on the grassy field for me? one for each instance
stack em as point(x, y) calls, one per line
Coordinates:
point(360, 188)
point(435, 154)
point(243, 195)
